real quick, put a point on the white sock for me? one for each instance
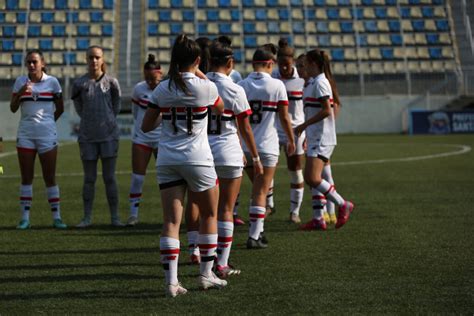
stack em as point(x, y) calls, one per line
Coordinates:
point(327, 175)
point(318, 202)
point(54, 201)
point(330, 193)
point(207, 248)
point(26, 196)
point(270, 202)
point(225, 231)
point(296, 198)
point(236, 205)
point(135, 193)
point(169, 249)
point(257, 217)
point(193, 242)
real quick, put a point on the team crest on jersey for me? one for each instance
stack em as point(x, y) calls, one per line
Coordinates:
point(35, 95)
point(104, 86)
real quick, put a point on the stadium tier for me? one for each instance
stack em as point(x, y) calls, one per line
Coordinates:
point(368, 36)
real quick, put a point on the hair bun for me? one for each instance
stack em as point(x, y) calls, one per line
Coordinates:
point(224, 40)
point(151, 58)
point(283, 42)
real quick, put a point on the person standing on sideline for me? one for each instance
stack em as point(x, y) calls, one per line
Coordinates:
point(39, 98)
point(96, 97)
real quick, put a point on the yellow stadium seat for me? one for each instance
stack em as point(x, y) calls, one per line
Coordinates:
point(373, 40)
point(415, 12)
point(422, 52)
point(392, 12)
point(389, 67)
point(188, 28)
point(352, 68)
point(237, 41)
point(5, 58)
point(108, 16)
point(108, 43)
point(447, 52)
point(84, 16)
point(56, 58)
point(401, 66)
point(73, 4)
point(414, 66)
point(164, 28)
point(376, 68)
point(310, 27)
point(439, 12)
point(420, 39)
point(46, 30)
point(261, 40)
point(152, 16)
point(35, 17)
point(260, 3)
point(356, 2)
point(338, 68)
point(96, 4)
point(299, 40)
point(406, 26)
point(272, 14)
point(426, 66)
point(16, 72)
point(331, 2)
point(261, 27)
point(249, 14)
point(437, 66)
point(430, 25)
point(297, 14)
point(164, 3)
point(71, 29)
point(445, 38)
point(374, 53)
point(364, 68)
point(212, 28)
point(58, 43)
point(350, 54)
point(312, 41)
point(19, 44)
point(236, 28)
point(60, 16)
point(20, 30)
point(348, 40)
point(450, 65)
point(411, 53)
point(398, 53)
point(248, 54)
point(363, 53)
point(382, 25)
point(224, 15)
point(176, 15)
point(22, 4)
point(201, 15)
point(321, 14)
point(403, 2)
point(55, 71)
point(369, 13)
point(409, 39)
point(285, 27)
point(345, 13)
point(188, 3)
point(335, 40)
point(96, 30)
point(359, 26)
point(334, 27)
point(164, 56)
point(70, 44)
point(10, 17)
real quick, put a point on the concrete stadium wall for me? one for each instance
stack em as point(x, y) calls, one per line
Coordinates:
point(370, 114)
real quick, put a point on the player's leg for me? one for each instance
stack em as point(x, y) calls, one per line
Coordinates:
point(294, 164)
point(111, 191)
point(238, 221)
point(330, 207)
point(192, 225)
point(88, 191)
point(26, 160)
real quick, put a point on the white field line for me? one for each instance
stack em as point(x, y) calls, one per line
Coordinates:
point(460, 150)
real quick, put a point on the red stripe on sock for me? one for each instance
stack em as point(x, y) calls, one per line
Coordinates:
point(319, 197)
point(255, 216)
point(171, 258)
point(331, 188)
point(207, 246)
point(224, 239)
point(169, 251)
point(53, 200)
point(26, 198)
point(135, 195)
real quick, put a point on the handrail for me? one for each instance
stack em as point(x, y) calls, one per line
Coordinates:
point(467, 25)
point(428, 93)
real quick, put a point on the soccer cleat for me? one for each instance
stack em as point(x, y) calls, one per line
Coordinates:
point(85, 222)
point(344, 213)
point(270, 210)
point(117, 223)
point(211, 282)
point(58, 223)
point(314, 224)
point(238, 221)
point(332, 219)
point(263, 237)
point(224, 271)
point(173, 290)
point(295, 218)
point(23, 224)
point(195, 259)
point(132, 221)
point(256, 244)
point(326, 217)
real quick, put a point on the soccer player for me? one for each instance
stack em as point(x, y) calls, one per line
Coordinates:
point(226, 148)
point(185, 160)
point(267, 97)
point(294, 85)
point(143, 144)
point(319, 96)
point(39, 98)
point(96, 97)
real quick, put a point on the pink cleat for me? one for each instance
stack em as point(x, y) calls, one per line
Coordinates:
point(344, 213)
point(238, 221)
point(314, 224)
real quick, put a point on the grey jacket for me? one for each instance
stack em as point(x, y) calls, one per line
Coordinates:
point(97, 102)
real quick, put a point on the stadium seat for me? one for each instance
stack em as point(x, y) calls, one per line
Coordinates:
point(447, 52)
point(332, 14)
point(357, 13)
point(322, 27)
point(85, 4)
point(47, 17)
point(61, 4)
point(346, 27)
point(424, 53)
point(34, 30)
point(427, 12)
point(396, 39)
point(442, 25)
point(69, 58)
point(373, 40)
point(83, 30)
point(82, 43)
point(9, 31)
point(394, 25)
point(297, 15)
point(439, 12)
point(176, 4)
point(324, 40)
point(60, 16)
point(337, 54)
point(72, 17)
point(335, 40)
point(418, 25)
point(430, 25)
point(334, 27)
point(250, 41)
point(374, 53)
point(420, 39)
point(387, 53)
point(405, 12)
point(17, 59)
point(369, 13)
point(283, 14)
point(321, 14)
point(381, 12)
point(348, 40)
point(444, 38)
point(361, 40)
point(36, 4)
point(350, 54)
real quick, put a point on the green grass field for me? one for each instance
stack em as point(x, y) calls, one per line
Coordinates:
point(408, 247)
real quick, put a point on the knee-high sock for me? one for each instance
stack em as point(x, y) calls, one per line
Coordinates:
point(225, 231)
point(54, 201)
point(330, 193)
point(318, 202)
point(108, 174)
point(88, 189)
point(296, 198)
point(193, 242)
point(327, 175)
point(207, 248)
point(135, 193)
point(169, 250)
point(26, 197)
point(257, 217)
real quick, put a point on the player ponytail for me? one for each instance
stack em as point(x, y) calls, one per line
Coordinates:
point(321, 59)
point(183, 55)
point(152, 63)
point(40, 54)
point(204, 43)
point(221, 51)
point(284, 49)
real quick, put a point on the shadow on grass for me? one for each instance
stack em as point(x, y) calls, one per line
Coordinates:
point(92, 295)
point(94, 227)
point(74, 266)
point(82, 251)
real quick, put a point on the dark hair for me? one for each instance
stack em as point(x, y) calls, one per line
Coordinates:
point(264, 54)
point(152, 63)
point(104, 66)
point(184, 53)
point(40, 54)
point(204, 43)
point(221, 51)
point(284, 49)
point(321, 59)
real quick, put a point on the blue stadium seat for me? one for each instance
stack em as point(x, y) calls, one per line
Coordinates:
point(272, 3)
point(202, 28)
point(381, 12)
point(337, 54)
point(72, 17)
point(357, 13)
point(344, 2)
point(250, 41)
point(248, 3)
point(108, 4)
point(238, 55)
point(82, 43)
point(396, 39)
point(249, 27)
point(85, 4)
point(386, 53)
point(347, 27)
point(69, 58)
point(2, 17)
point(442, 25)
point(225, 28)
point(322, 27)
point(432, 38)
point(310, 14)
point(46, 44)
point(60, 4)
point(371, 26)
point(428, 12)
point(176, 28)
point(213, 15)
point(8, 45)
point(59, 30)
point(17, 59)
point(260, 14)
point(152, 29)
point(225, 3)
point(9, 31)
point(164, 15)
point(333, 13)
point(107, 29)
point(235, 14)
point(296, 2)
point(414, 2)
point(362, 40)
point(320, 2)
point(394, 25)
point(435, 52)
point(34, 30)
point(12, 5)
point(298, 27)
point(47, 17)
point(405, 12)
point(36, 4)
point(152, 4)
point(176, 3)
point(367, 2)
point(21, 17)
point(437, 2)
point(391, 2)
point(418, 25)
point(283, 14)
point(96, 16)
point(83, 30)
point(273, 27)
point(188, 15)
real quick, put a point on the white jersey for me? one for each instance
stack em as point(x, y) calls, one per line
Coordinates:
point(183, 139)
point(323, 132)
point(140, 98)
point(265, 94)
point(37, 108)
point(294, 89)
point(222, 130)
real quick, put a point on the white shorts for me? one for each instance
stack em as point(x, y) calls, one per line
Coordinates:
point(267, 160)
point(92, 151)
point(298, 143)
point(35, 145)
point(147, 146)
point(229, 172)
point(197, 178)
point(320, 151)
